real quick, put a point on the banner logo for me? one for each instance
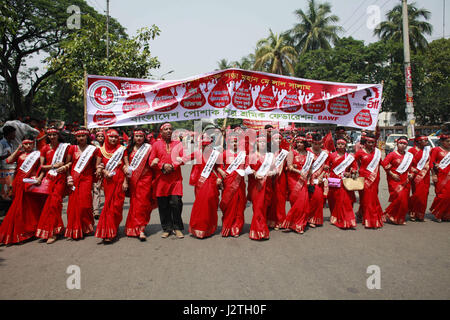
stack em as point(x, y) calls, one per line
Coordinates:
point(103, 94)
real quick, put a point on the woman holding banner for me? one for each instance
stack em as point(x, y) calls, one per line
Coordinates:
point(276, 213)
point(319, 172)
point(299, 163)
point(341, 200)
point(80, 218)
point(111, 164)
point(440, 160)
point(21, 220)
point(397, 166)
point(140, 177)
point(233, 200)
point(368, 159)
point(260, 190)
point(421, 183)
point(205, 178)
point(54, 163)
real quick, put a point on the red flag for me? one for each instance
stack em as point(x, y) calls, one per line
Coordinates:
point(328, 142)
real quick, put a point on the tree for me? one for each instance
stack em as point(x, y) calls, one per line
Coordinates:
point(28, 28)
point(224, 64)
point(392, 28)
point(246, 63)
point(316, 28)
point(431, 83)
point(274, 55)
point(84, 50)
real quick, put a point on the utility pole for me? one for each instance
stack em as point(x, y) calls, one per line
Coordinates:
point(408, 76)
point(107, 29)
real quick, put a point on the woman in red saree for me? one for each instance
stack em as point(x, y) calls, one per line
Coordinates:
point(368, 159)
point(440, 160)
point(276, 214)
point(53, 162)
point(319, 171)
point(21, 220)
point(204, 177)
point(421, 183)
point(80, 217)
point(397, 165)
point(298, 171)
point(112, 162)
point(233, 200)
point(140, 180)
point(260, 189)
point(341, 200)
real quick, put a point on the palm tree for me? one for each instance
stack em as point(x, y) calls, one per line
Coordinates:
point(392, 28)
point(274, 55)
point(316, 29)
point(224, 64)
point(246, 63)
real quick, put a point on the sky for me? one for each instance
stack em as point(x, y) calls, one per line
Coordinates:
point(196, 34)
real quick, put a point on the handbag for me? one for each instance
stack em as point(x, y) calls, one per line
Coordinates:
point(311, 188)
point(43, 188)
point(353, 184)
point(334, 182)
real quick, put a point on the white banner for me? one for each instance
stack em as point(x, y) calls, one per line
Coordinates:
point(232, 93)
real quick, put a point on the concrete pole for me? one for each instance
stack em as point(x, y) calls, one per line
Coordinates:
point(408, 76)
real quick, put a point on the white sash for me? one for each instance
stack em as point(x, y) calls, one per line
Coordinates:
point(344, 165)
point(280, 158)
point(138, 157)
point(425, 157)
point(404, 165)
point(58, 156)
point(308, 162)
point(375, 161)
point(115, 159)
point(268, 158)
point(84, 158)
point(319, 161)
point(445, 162)
point(210, 164)
point(236, 162)
point(30, 160)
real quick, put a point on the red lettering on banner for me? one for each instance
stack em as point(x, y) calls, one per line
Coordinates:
point(315, 107)
point(242, 99)
point(373, 104)
point(164, 101)
point(105, 118)
point(266, 100)
point(327, 118)
point(137, 104)
point(219, 96)
point(339, 106)
point(193, 98)
point(363, 118)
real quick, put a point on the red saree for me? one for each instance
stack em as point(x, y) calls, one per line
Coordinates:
point(203, 222)
point(51, 223)
point(420, 186)
point(440, 207)
point(260, 192)
point(21, 220)
point(80, 218)
point(298, 216)
point(341, 200)
point(317, 199)
point(233, 200)
point(398, 190)
point(111, 215)
point(276, 214)
point(369, 204)
point(141, 197)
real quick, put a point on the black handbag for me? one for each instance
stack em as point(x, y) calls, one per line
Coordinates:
point(311, 188)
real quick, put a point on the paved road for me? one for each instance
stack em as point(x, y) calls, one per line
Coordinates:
point(323, 263)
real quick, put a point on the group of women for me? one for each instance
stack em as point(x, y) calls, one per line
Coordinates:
point(301, 172)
